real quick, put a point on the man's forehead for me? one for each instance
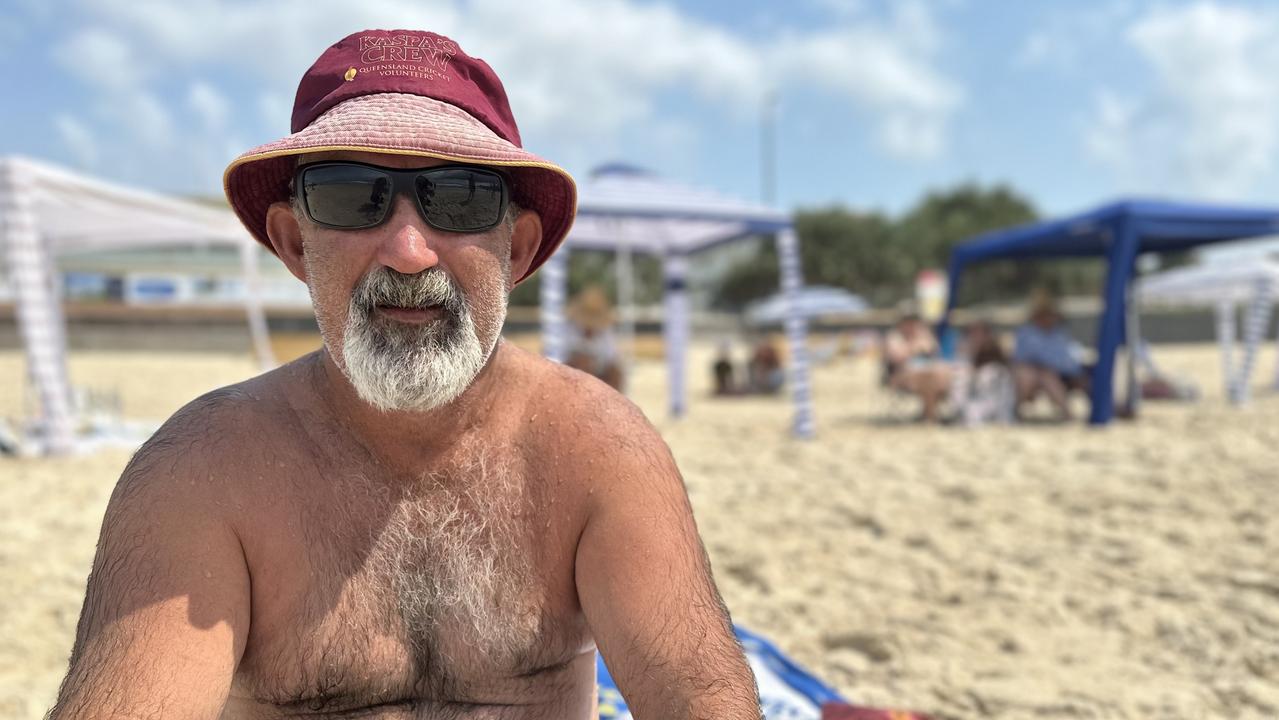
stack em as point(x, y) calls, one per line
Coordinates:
point(391, 160)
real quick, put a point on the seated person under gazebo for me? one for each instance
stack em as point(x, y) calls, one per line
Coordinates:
point(983, 390)
point(912, 364)
point(1043, 362)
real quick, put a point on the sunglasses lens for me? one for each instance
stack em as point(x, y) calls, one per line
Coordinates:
point(461, 199)
point(347, 196)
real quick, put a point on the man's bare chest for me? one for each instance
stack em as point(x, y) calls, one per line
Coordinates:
point(454, 589)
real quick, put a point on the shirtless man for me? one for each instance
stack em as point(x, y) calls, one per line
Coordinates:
point(419, 520)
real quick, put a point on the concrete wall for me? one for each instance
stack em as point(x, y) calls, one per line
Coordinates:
point(227, 330)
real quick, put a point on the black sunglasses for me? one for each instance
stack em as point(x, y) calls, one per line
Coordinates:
point(355, 196)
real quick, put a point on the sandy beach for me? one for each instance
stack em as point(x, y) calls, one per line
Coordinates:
point(1040, 571)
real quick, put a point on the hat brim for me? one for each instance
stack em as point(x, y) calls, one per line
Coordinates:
point(402, 124)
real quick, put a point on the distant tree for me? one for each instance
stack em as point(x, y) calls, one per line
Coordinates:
point(854, 251)
point(878, 256)
point(943, 219)
point(748, 280)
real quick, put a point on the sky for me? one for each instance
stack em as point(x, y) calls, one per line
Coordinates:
point(876, 101)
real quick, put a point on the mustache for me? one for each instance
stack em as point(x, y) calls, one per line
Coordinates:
point(429, 288)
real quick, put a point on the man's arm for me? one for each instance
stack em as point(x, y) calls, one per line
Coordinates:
point(646, 589)
point(166, 612)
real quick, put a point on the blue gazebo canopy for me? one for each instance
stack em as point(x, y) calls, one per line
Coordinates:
point(1118, 232)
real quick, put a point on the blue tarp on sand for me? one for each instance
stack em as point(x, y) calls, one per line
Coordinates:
point(787, 691)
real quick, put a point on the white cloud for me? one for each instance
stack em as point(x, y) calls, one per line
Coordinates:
point(140, 119)
point(890, 74)
point(209, 105)
point(78, 140)
point(576, 70)
point(1210, 124)
point(101, 59)
point(1068, 39)
point(275, 109)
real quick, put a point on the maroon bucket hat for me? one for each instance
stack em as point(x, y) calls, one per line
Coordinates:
point(403, 92)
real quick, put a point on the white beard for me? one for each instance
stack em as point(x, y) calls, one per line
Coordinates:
point(406, 367)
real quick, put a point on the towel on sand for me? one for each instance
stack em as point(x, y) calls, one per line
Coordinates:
point(786, 690)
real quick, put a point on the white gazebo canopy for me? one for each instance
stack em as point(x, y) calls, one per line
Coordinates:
point(627, 210)
point(1225, 286)
point(46, 212)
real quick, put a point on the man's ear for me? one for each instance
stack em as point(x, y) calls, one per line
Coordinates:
point(526, 238)
point(286, 237)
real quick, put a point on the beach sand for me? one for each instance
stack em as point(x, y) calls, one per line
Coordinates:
point(1041, 571)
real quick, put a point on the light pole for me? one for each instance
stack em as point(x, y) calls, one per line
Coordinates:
point(768, 148)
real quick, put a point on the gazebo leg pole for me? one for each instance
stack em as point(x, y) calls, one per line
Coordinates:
point(39, 309)
point(1226, 338)
point(1254, 330)
point(796, 331)
point(1276, 382)
point(1134, 347)
point(675, 329)
point(258, 330)
point(1121, 260)
point(554, 285)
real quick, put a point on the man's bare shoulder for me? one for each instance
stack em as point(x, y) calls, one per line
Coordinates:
point(586, 418)
point(209, 440)
point(570, 393)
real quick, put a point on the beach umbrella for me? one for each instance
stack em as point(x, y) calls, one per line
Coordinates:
point(813, 301)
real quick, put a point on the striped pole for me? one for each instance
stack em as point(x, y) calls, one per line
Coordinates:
point(554, 274)
point(39, 309)
point(1254, 329)
point(675, 329)
point(796, 332)
point(1226, 338)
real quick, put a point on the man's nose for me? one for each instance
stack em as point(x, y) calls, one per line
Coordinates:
point(406, 243)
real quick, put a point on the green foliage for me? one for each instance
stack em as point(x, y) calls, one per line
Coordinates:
point(944, 219)
point(878, 257)
point(858, 251)
point(749, 280)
